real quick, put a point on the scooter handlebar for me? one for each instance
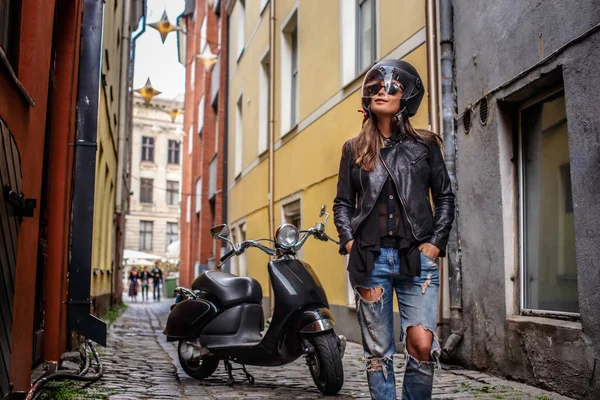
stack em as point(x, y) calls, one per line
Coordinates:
point(227, 255)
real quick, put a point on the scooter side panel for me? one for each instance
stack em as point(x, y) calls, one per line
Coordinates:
point(187, 318)
point(295, 285)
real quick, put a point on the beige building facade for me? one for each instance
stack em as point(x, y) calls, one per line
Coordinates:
point(154, 213)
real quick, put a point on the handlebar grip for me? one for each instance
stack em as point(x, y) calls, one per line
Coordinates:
point(227, 255)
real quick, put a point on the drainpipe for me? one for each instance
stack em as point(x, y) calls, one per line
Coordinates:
point(84, 177)
point(448, 105)
point(225, 90)
point(271, 132)
point(434, 107)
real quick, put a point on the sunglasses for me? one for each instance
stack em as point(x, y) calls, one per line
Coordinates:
point(374, 88)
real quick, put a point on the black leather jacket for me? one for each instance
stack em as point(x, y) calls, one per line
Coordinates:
point(416, 167)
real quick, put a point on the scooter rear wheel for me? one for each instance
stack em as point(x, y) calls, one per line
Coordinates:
point(196, 366)
point(326, 364)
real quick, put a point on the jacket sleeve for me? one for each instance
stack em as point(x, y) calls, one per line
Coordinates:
point(443, 200)
point(344, 203)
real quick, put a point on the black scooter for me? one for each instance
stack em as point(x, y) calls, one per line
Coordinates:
point(221, 318)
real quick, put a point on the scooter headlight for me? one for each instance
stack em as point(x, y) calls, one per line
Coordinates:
point(287, 236)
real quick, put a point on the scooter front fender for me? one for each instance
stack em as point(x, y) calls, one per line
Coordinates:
point(313, 320)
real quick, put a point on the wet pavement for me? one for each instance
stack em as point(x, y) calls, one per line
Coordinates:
point(140, 364)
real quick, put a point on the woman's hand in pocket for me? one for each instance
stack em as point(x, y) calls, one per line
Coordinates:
point(430, 250)
point(349, 246)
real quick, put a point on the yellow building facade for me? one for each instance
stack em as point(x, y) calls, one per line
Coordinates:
point(319, 52)
point(104, 241)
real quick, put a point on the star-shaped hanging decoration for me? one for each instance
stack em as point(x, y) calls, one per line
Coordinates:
point(208, 58)
point(164, 26)
point(148, 92)
point(173, 113)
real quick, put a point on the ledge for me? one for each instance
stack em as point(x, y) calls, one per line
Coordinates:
point(4, 62)
point(575, 325)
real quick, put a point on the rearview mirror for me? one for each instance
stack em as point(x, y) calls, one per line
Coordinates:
point(323, 208)
point(219, 231)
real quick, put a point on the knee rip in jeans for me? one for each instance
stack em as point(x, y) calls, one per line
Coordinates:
point(376, 364)
point(369, 296)
point(434, 353)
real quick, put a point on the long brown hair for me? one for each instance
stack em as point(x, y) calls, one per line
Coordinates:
point(369, 141)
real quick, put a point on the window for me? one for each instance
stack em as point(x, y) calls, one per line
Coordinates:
point(358, 39)
point(294, 93)
point(366, 34)
point(289, 75)
point(239, 133)
point(241, 27)
point(146, 190)
point(212, 177)
point(216, 131)
point(201, 115)
point(147, 148)
point(173, 157)
point(10, 21)
point(172, 232)
point(198, 195)
point(172, 193)
point(264, 87)
point(292, 214)
point(263, 5)
point(146, 235)
point(547, 233)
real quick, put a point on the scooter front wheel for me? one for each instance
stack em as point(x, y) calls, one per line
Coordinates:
point(325, 362)
point(192, 361)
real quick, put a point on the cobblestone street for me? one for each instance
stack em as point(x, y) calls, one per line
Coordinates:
point(140, 364)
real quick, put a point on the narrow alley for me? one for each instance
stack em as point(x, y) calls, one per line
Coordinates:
point(140, 364)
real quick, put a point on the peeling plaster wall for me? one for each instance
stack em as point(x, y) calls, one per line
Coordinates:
point(494, 42)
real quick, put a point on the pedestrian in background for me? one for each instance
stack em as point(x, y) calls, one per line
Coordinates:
point(156, 282)
point(383, 215)
point(145, 279)
point(133, 284)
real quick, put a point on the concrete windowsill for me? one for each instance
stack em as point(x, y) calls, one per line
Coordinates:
point(576, 325)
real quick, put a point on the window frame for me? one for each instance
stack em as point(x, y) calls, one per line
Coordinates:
point(241, 29)
point(359, 69)
point(173, 152)
point(143, 235)
point(264, 101)
point(290, 85)
point(148, 149)
point(522, 209)
point(10, 28)
point(239, 137)
point(149, 186)
point(172, 193)
point(170, 233)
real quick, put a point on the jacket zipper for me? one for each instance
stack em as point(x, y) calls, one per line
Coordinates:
point(400, 197)
point(418, 159)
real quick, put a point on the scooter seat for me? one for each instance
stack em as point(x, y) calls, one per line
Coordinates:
point(229, 289)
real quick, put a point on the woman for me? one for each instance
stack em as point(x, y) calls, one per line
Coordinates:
point(133, 284)
point(383, 215)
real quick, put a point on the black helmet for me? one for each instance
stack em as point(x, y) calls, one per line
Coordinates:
point(387, 71)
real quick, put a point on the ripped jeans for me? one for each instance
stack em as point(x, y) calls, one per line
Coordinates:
point(418, 304)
